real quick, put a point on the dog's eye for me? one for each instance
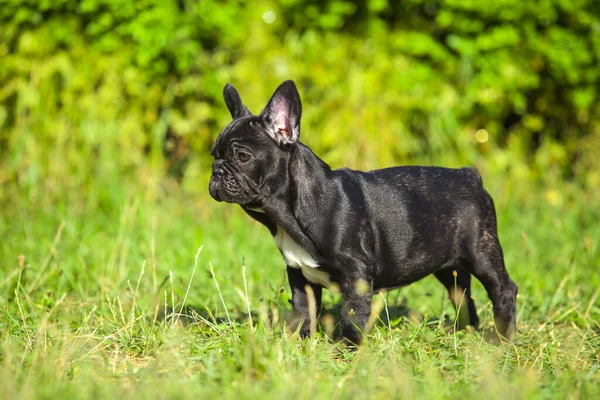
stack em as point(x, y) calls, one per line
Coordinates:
point(243, 157)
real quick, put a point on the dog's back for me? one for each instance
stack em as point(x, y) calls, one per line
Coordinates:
point(417, 220)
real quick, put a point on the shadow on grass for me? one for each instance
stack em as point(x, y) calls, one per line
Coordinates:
point(329, 320)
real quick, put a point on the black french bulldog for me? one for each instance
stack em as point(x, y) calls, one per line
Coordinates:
point(359, 231)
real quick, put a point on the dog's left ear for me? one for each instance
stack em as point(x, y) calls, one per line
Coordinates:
point(234, 104)
point(282, 114)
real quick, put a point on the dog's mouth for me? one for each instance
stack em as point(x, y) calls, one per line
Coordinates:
point(214, 187)
point(227, 189)
point(214, 192)
point(228, 186)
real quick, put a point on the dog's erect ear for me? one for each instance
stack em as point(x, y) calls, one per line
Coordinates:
point(234, 102)
point(282, 114)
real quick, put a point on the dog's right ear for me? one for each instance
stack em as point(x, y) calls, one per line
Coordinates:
point(234, 102)
point(282, 114)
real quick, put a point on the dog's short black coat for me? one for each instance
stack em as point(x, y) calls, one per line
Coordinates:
point(359, 231)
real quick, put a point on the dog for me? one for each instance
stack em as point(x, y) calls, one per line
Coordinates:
point(360, 232)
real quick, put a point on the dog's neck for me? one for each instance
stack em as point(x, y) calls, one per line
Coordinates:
point(311, 183)
point(307, 177)
point(308, 174)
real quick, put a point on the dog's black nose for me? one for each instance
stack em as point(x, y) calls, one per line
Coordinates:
point(218, 170)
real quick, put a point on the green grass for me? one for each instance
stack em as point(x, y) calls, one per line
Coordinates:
point(83, 314)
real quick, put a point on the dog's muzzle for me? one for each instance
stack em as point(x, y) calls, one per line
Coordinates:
point(215, 181)
point(213, 189)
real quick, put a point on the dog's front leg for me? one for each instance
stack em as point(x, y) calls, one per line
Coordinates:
point(356, 308)
point(301, 301)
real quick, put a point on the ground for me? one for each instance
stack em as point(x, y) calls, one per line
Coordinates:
point(107, 294)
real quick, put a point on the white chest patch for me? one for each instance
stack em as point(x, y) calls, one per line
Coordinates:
point(293, 253)
point(296, 257)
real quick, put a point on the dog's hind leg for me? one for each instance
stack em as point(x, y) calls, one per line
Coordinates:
point(458, 283)
point(487, 265)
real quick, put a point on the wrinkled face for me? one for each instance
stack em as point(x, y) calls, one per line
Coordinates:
point(252, 152)
point(243, 154)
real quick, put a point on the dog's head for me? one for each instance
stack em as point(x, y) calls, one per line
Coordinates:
point(251, 154)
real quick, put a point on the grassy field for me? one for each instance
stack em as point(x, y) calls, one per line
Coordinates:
point(104, 293)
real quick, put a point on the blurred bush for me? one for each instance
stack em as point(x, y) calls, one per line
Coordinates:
point(99, 90)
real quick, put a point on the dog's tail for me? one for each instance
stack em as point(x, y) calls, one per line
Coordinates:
point(474, 174)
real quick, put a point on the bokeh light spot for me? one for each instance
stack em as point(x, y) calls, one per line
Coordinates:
point(269, 17)
point(482, 135)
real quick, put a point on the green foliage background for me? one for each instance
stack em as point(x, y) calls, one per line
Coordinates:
point(108, 110)
point(106, 81)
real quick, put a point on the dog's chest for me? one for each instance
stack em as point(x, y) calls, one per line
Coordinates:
point(296, 257)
